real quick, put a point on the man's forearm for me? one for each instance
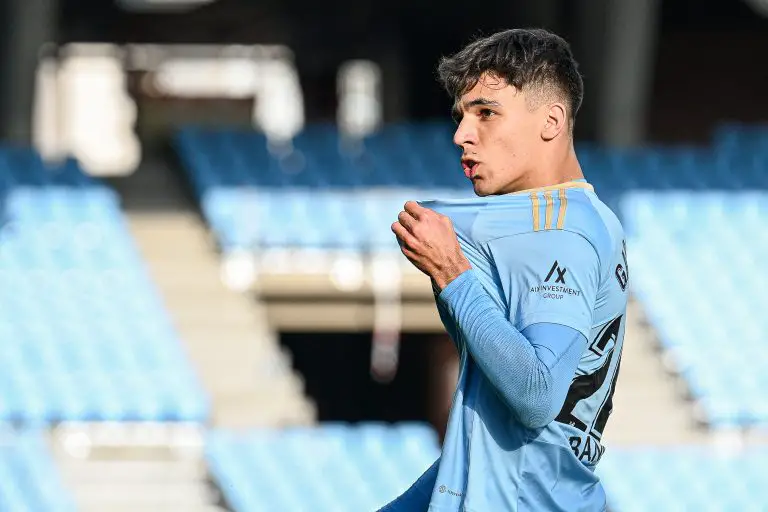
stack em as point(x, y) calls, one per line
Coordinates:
point(529, 378)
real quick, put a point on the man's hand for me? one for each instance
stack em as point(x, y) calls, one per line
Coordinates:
point(428, 240)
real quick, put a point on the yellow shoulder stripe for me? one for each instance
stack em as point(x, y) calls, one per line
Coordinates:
point(549, 209)
point(563, 197)
point(535, 204)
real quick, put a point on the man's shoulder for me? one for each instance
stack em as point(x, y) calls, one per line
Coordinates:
point(572, 208)
point(589, 217)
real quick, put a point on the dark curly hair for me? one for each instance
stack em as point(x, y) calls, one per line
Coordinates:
point(528, 59)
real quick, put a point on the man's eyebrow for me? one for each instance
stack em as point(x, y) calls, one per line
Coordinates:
point(481, 102)
point(457, 112)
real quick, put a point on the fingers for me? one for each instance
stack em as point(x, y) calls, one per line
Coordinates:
point(419, 212)
point(404, 237)
point(407, 220)
point(415, 209)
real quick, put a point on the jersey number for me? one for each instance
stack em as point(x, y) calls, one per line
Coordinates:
point(584, 386)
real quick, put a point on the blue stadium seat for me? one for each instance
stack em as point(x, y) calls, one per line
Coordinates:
point(239, 170)
point(28, 477)
point(700, 296)
point(330, 466)
point(254, 197)
point(83, 334)
point(685, 478)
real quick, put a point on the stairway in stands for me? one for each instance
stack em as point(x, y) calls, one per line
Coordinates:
point(129, 468)
point(241, 364)
point(649, 404)
point(161, 467)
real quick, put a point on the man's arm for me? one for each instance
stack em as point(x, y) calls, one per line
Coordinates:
point(555, 275)
point(418, 496)
point(533, 369)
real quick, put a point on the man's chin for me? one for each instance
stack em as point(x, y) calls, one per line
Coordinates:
point(480, 189)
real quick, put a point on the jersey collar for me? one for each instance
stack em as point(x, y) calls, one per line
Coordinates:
point(580, 183)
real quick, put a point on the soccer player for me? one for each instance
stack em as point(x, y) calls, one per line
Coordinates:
point(530, 280)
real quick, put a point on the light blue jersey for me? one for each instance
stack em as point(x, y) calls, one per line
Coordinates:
point(548, 257)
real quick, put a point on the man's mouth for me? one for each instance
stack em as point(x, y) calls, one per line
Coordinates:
point(470, 167)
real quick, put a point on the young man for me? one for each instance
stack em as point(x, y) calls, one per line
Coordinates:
point(531, 284)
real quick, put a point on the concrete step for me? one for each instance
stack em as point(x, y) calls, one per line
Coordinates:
point(274, 388)
point(142, 494)
point(223, 385)
point(202, 316)
point(133, 471)
point(166, 507)
point(226, 333)
point(187, 281)
point(243, 413)
point(216, 301)
point(647, 405)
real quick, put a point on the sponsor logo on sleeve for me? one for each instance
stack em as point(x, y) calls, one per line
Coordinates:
point(555, 285)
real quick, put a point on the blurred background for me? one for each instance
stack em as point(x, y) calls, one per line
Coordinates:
point(202, 307)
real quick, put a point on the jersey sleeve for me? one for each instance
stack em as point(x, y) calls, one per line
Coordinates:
point(548, 277)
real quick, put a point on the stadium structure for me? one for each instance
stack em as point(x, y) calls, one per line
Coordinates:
point(203, 306)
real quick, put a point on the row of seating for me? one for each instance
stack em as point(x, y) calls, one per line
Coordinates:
point(696, 266)
point(683, 479)
point(324, 191)
point(29, 480)
point(331, 467)
point(83, 332)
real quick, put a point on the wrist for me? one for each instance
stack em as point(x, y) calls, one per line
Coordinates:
point(444, 278)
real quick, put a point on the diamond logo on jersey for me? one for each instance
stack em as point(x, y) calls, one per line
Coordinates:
point(560, 273)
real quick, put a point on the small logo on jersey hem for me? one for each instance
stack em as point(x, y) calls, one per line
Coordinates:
point(555, 291)
point(443, 489)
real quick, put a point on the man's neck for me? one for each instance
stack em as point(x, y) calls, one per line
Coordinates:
point(560, 168)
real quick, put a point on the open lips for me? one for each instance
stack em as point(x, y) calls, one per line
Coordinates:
point(470, 167)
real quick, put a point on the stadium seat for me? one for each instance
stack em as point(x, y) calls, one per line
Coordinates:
point(685, 478)
point(254, 197)
point(330, 467)
point(83, 334)
point(28, 477)
point(700, 296)
point(242, 182)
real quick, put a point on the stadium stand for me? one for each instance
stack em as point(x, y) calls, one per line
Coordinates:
point(684, 478)
point(84, 335)
point(332, 467)
point(698, 308)
point(692, 204)
point(240, 183)
point(28, 477)
point(235, 351)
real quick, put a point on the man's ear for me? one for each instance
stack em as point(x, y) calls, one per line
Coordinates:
point(555, 122)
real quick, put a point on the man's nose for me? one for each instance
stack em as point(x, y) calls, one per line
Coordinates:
point(465, 134)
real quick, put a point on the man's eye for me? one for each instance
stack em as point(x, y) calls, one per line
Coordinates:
point(486, 113)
